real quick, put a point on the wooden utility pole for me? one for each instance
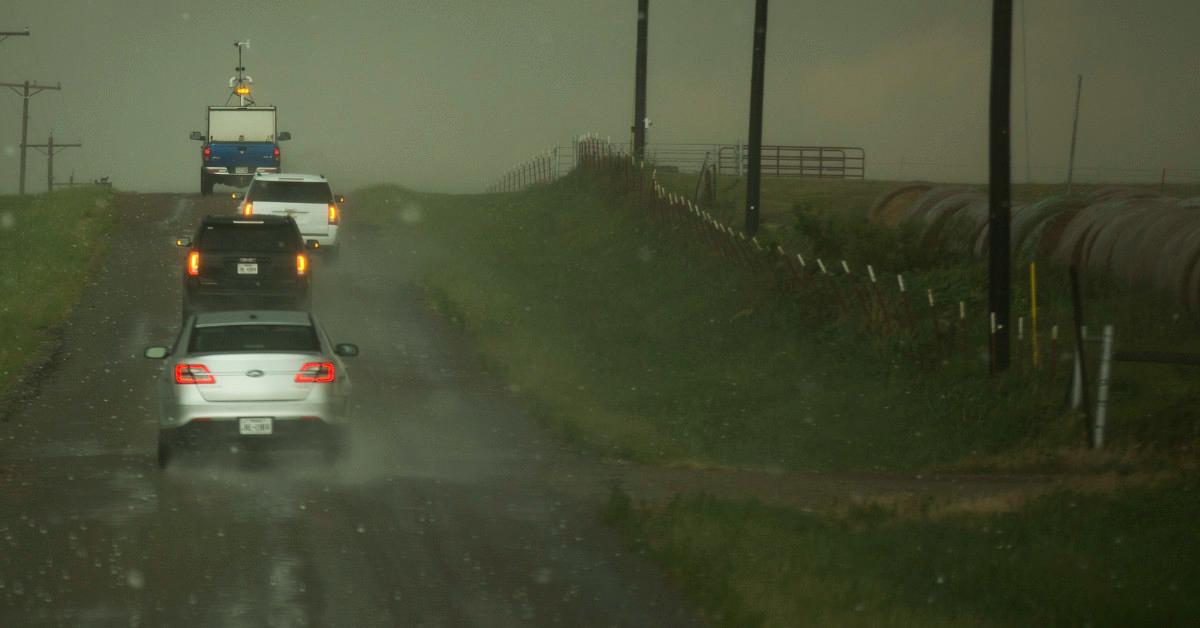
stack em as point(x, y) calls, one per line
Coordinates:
point(757, 71)
point(27, 91)
point(639, 86)
point(1000, 181)
point(52, 148)
point(1074, 132)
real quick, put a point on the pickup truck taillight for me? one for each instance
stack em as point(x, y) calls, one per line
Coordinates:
point(315, 373)
point(301, 265)
point(193, 374)
point(333, 214)
point(193, 263)
point(207, 152)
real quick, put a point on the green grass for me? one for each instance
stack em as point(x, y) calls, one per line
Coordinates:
point(633, 348)
point(49, 243)
point(1121, 559)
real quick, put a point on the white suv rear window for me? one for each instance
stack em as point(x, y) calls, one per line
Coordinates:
point(290, 192)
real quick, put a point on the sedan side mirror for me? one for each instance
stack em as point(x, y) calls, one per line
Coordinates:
point(196, 135)
point(346, 349)
point(183, 242)
point(284, 136)
point(156, 353)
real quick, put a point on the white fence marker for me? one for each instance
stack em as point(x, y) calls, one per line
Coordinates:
point(1102, 387)
point(871, 272)
point(846, 267)
point(900, 280)
point(822, 265)
point(929, 293)
point(801, 259)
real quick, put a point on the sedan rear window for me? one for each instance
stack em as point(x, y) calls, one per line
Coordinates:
point(249, 237)
point(290, 192)
point(250, 338)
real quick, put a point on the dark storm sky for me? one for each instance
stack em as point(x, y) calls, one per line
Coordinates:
point(444, 95)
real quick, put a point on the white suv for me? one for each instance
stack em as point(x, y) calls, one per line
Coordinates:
point(305, 197)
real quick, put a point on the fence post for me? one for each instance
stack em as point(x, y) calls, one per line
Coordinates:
point(1102, 388)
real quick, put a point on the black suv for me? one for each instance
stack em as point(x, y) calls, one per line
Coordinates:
point(239, 262)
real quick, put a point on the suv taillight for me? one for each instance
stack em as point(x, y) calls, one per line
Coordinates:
point(193, 263)
point(193, 374)
point(333, 214)
point(315, 373)
point(207, 152)
point(301, 265)
point(248, 209)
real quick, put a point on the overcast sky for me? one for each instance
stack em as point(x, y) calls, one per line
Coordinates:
point(446, 94)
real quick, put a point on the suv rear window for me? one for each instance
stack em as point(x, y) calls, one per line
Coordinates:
point(290, 192)
point(234, 338)
point(249, 237)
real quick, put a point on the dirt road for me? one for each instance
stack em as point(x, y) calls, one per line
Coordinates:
point(452, 510)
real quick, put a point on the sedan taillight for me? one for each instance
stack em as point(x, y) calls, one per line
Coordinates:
point(193, 374)
point(193, 263)
point(315, 373)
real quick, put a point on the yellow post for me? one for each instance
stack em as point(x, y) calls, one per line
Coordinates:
point(1033, 334)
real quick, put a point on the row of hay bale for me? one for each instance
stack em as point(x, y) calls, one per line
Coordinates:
point(1141, 238)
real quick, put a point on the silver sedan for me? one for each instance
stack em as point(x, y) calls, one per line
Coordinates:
point(252, 376)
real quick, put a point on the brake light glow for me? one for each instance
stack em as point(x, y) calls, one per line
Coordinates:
point(207, 152)
point(315, 373)
point(193, 263)
point(276, 152)
point(248, 209)
point(301, 265)
point(193, 374)
point(333, 214)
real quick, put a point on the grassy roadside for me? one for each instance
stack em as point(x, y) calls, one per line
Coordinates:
point(631, 349)
point(47, 245)
point(1113, 558)
point(634, 349)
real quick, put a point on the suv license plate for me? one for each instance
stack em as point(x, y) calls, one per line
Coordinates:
point(247, 269)
point(254, 425)
point(241, 170)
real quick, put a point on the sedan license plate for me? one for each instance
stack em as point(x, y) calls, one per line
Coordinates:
point(254, 425)
point(247, 269)
point(241, 170)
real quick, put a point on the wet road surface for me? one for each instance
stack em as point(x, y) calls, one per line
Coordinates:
point(451, 510)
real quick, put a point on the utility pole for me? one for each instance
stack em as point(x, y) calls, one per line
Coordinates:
point(1074, 132)
point(754, 175)
point(1000, 181)
point(27, 91)
point(1025, 90)
point(639, 88)
point(52, 148)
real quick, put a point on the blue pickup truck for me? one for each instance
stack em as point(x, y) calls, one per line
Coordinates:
point(240, 142)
